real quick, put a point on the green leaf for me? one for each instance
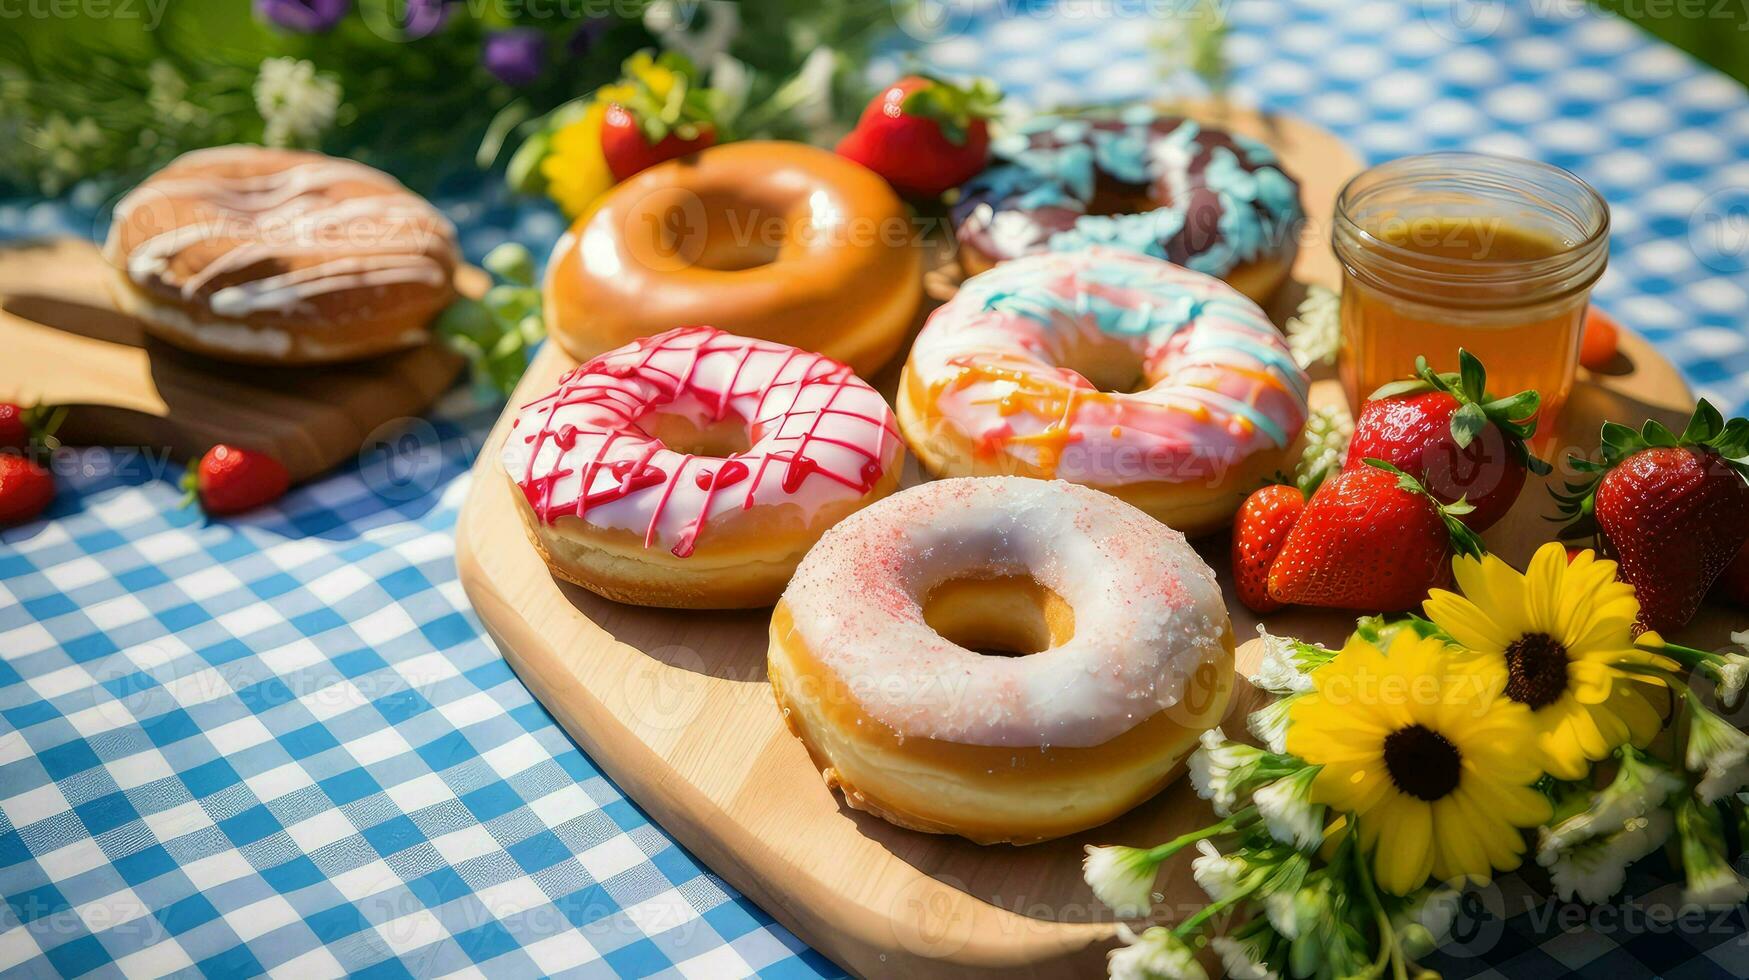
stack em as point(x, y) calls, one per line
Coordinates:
point(1514, 408)
point(1704, 424)
point(1467, 423)
point(512, 263)
point(1475, 377)
point(1406, 386)
point(1655, 434)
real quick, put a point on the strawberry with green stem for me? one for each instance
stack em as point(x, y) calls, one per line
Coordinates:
point(643, 128)
point(925, 135)
point(1372, 538)
point(1674, 509)
point(23, 427)
point(1447, 431)
point(230, 480)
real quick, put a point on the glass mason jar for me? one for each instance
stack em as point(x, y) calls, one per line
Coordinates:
point(1493, 254)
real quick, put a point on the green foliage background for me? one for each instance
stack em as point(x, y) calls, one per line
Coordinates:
point(88, 95)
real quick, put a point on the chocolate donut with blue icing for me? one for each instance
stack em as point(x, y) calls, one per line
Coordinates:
point(1166, 186)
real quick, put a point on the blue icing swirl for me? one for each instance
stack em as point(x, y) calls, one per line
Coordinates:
point(1255, 150)
point(1123, 153)
point(1168, 310)
point(1146, 232)
point(1254, 204)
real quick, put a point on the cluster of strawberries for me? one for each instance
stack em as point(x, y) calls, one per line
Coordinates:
point(1436, 459)
point(227, 480)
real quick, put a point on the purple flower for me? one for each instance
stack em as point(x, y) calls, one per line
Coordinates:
point(515, 56)
point(426, 17)
point(303, 16)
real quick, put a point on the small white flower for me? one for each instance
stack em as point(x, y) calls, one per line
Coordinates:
point(1715, 747)
point(1277, 671)
point(1288, 811)
point(1155, 954)
point(1711, 881)
point(1640, 786)
point(1718, 784)
point(1243, 958)
point(1426, 923)
point(731, 80)
point(1595, 869)
point(1734, 672)
point(1122, 877)
point(1211, 769)
point(1283, 913)
point(1314, 332)
point(1715, 887)
point(814, 79)
point(1268, 724)
point(672, 23)
point(1220, 875)
point(297, 104)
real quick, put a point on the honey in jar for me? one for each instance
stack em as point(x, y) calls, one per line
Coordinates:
point(1491, 254)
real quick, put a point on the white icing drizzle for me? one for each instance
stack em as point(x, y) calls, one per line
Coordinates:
point(378, 239)
point(1147, 612)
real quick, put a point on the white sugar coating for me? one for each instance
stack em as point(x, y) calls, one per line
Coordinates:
point(1147, 612)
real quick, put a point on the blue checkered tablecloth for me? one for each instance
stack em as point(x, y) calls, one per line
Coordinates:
point(282, 743)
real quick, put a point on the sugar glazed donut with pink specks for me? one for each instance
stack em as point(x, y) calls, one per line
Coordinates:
point(881, 657)
point(694, 468)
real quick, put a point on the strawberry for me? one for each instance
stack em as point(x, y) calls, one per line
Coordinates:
point(1446, 431)
point(1733, 584)
point(1371, 539)
point(1674, 509)
point(229, 480)
point(25, 489)
point(1262, 524)
point(641, 129)
point(924, 135)
point(21, 427)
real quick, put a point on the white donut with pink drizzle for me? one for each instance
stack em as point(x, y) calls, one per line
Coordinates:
point(616, 509)
point(1163, 386)
point(875, 656)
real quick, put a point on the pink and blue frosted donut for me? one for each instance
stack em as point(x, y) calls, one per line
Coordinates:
point(1159, 385)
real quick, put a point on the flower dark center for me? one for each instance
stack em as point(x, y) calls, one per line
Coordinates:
point(1421, 762)
point(1536, 670)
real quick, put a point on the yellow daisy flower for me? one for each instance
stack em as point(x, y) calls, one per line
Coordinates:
point(575, 168)
point(1555, 638)
point(1426, 754)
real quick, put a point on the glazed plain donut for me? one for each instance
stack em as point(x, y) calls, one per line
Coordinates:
point(780, 241)
point(875, 661)
point(279, 257)
point(1160, 385)
point(693, 469)
point(1160, 185)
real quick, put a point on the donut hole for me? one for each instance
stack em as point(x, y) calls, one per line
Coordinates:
point(1112, 196)
point(723, 438)
point(738, 233)
point(999, 616)
point(1109, 364)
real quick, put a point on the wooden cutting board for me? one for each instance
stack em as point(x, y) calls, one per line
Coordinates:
point(675, 707)
point(65, 344)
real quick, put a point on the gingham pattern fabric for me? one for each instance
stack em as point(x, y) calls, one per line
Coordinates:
point(282, 743)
